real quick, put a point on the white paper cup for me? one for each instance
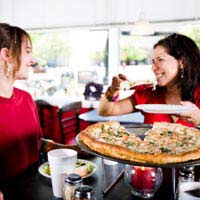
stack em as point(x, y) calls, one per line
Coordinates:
point(61, 163)
point(109, 162)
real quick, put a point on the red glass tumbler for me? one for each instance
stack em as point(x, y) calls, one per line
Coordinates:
point(143, 181)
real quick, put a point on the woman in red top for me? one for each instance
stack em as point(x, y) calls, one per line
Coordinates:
point(176, 65)
point(19, 124)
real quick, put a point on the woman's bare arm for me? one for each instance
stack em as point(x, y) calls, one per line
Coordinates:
point(123, 106)
point(108, 107)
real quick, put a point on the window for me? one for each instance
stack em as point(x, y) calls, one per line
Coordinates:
point(136, 51)
point(136, 56)
point(65, 61)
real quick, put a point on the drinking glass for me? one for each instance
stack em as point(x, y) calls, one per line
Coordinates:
point(143, 181)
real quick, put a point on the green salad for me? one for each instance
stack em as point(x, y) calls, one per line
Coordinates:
point(82, 168)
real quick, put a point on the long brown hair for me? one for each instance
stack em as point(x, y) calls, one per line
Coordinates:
point(183, 48)
point(11, 37)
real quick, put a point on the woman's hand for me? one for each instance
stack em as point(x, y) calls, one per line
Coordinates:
point(1, 196)
point(116, 81)
point(110, 108)
point(193, 115)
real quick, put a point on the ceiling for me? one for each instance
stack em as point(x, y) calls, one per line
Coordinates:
point(40, 14)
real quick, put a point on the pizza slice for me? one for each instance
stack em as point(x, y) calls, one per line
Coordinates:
point(128, 85)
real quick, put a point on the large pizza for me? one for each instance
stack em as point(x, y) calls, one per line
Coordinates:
point(163, 143)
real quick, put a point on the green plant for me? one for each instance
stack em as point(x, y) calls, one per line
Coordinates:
point(193, 31)
point(49, 46)
point(137, 54)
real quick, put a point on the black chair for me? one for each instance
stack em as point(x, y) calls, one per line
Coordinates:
point(93, 91)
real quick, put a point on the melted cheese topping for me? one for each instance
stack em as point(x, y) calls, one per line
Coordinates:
point(164, 138)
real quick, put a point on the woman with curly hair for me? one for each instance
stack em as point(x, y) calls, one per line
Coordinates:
point(176, 65)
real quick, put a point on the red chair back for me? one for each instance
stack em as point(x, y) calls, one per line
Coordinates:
point(69, 122)
point(49, 121)
point(83, 124)
point(61, 125)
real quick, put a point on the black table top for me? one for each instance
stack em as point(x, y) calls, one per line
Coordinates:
point(34, 186)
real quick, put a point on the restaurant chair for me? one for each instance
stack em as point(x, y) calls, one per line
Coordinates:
point(83, 124)
point(69, 122)
point(49, 121)
point(93, 91)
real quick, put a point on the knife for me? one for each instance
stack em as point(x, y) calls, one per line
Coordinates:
point(194, 192)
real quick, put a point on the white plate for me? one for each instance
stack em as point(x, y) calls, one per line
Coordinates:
point(163, 108)
point(41, 168)
point(188, 186)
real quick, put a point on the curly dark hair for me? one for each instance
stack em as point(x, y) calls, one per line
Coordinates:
point(183, 48)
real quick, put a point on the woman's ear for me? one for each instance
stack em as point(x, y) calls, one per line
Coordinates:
point(4, 53)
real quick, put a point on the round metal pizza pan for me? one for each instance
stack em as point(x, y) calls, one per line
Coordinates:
point(168, 165)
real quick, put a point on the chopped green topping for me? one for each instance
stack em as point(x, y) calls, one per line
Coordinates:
point(179, 144)
point(162, 133)
point(110, 132)
point(102, 127)
point(165, 150)
point(166, 133)
point(106, 139)
point(191, 138)
point(169, 132)
point(152, 142)
point(121, 133)
point(129, 144)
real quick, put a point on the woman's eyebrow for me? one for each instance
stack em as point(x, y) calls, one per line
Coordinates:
point(29, 47)
point(156, 58)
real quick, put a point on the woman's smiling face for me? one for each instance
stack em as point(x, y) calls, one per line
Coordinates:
point(26, 60)
point(165, 67)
